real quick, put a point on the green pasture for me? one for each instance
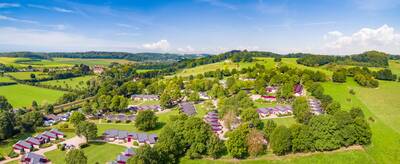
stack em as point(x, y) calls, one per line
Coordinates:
point(394, 65)
point(97, 152)
point(72, 83)
point(27, 75)
point(4, 79)
point(22, 95)
point(90, 62)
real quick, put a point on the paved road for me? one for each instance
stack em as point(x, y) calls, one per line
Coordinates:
point(72, 141)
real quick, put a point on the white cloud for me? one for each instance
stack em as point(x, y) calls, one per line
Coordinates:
point(18, 39)
point(62, 10)
point(187, 49)
point(7, 5)
point(160, 45)
point(384, 38)
point(7, 18)
point(57, 9)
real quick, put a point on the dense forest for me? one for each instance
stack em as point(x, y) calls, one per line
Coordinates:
point(105, 55)
point(369, 58)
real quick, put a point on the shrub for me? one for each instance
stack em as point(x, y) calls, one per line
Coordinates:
point(135, 143)
point(45, 145)
point(2, 158)
point(13, 154)
point(83, 145)
point(351, 91)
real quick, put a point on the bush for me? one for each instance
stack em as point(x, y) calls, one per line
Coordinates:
point(83, 145)
point(2, 158)
point(135, 143)
point(352, 92)
point(45, 145)
point(13, 154)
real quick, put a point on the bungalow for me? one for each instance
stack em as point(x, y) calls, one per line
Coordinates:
point(57, 133)
point(42, 138)
point(211, 118)
point(32, 158)
point(122, 159)
point(34, 142)
point(49, 135)
point(298, 90)
point(263, 112)
point(120, 117)
point(154, 108)
point(145, 97)
point(274, 111)
point(315, 106)
point(125, 136)
point(188, 108)
point(129, 152)
point(22, 146)
point(271, 89)
point(269, 98)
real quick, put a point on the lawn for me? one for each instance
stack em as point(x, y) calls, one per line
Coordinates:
point(285, 121)
point(291, 62)
point(27, 75)
point(4, 79)
point(22, 95)
point(97, 152)
point(73, 83)
point(163, 119)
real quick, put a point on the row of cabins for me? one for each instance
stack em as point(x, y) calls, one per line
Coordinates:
point(275, 111)
point(145, 97)
point(33, 158)
point(123, 136)
point(212, 119)
point(124, 156)
point(120, 118)
point(31, 143)
point(188, 108)
point(315, 106)
point(155, 108)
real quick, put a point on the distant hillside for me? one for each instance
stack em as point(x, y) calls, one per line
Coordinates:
point(106, 55)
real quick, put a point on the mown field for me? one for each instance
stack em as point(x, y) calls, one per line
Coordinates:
point(394, 65)
point(22, 95)
point(57, 62)
point(27, 75)
point(4, 79)
point(97, 152)
point(72, 83)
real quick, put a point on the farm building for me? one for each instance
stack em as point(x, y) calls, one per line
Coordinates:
point(269, 98)
point(145, 97)
point(98, 69)
point(124, 156)
point(32, 158)
point(188, 108)
point(125, 136)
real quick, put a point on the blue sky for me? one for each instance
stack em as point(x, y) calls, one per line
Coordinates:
point(201, 26)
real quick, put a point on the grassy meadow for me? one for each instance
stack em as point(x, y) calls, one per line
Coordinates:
point(394, 65)
point(4, 79)
point(90, 62)
point(27, 75)
point(22, 95)
point(73, 83)
point(97, 152)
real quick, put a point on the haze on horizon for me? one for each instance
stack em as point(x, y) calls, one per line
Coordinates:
point(201, 26)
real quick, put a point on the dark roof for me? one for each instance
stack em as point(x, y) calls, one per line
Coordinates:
point(33, 140)
point(298, 88)
point(188, 108)
point(35, 158)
